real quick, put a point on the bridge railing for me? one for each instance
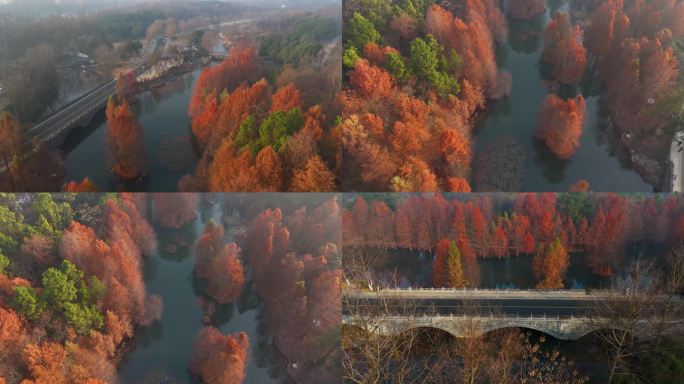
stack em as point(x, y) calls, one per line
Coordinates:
point(456, 316)
point(474, 291)
point(484, 289)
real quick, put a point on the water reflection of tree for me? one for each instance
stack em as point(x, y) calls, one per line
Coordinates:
point(555, 5)
point(398, 266)
point(247, 301)
point(266, 355)
point(591, 84)
point(553, 169)
point(606, 132)
point(150, 268)
point(158, 375)
point(151, 100)
point(144, 337)
point(525, 36)
point(176, 153)
point(175, 245)
point(500, 165)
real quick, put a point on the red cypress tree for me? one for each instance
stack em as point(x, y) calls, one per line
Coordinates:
point(219, 358)
point(125, 142)
point(560, 125)
point(403, 231)
point(286, 98)
point(209, 244)
point(526, 9)
point(226, 276)
point(563, 49)
point(174, 210)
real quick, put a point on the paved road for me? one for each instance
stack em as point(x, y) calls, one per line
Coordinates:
point(676, 157)
point(509, 307)
point(74, 111)
point(483, 302)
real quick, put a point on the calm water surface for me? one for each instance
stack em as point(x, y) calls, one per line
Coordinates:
point(165, 348)
point(517, 116)
point(413, 268)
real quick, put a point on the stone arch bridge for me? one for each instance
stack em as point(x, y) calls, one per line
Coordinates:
point(562, 314)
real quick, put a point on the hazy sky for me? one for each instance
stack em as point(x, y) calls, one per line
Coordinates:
point(137, 1)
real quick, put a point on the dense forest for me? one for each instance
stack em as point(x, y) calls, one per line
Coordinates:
point(261, 135)
point(413, 91)
point(73, 294)
point(459, 229)
point(419, 76)
point(72, 285)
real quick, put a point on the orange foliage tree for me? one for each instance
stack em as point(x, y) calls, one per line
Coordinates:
point(174, 210)
point(40, 249)
point(117, 262)
point(241, 66)
point(405, 137)
point(580, 186)
point(563, 49)
point(286, 98)
point(209, 244)
point(369, 80)
point(226, 276)
point(458, 184)
point(290, 262)
point(12, 332)
point(47, 362)
point(600, 225)
point(315, 177)
point(560, 124)
point(550, 264)
point(125, 143)
point(633, 45)
point(220, 358)
point(219, 264)
point(127, 85)
point(447, 268)
point(238, 154)
point(526, 9)
point(86, 185)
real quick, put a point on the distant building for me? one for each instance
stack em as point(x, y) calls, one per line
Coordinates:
point(79, 58)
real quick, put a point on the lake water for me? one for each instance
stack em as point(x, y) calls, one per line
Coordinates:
point(414, 268)
point(516, 115)
point(163, 115)
point(163, 351)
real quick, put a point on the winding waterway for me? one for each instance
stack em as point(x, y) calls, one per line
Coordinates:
point(162, 351)
point(595, 161)
point(163, 115)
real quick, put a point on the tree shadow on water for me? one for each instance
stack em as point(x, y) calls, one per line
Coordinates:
point(175, 245)
point(525, 36)
point(145, 336)
point(553, 168)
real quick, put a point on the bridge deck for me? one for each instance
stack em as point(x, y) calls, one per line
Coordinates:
point(72, 113)
point(560, 303)
point(676, 157)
